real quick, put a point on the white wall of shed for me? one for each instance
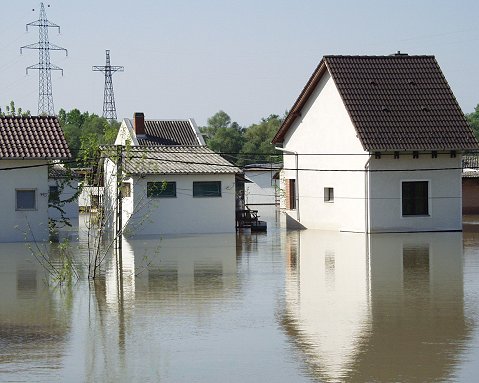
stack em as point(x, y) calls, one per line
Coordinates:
point(183, 214)
point(20, 226)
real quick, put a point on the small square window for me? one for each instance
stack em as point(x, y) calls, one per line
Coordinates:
point(161, 189)
point(25, 199)
point(207, 189)
point(328, 194)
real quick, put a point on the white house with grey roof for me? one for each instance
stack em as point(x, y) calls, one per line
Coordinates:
point(374, 144)
point(171, 182)
point(27, 146)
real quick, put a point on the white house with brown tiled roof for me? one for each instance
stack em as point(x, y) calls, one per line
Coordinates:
point(374, 144)
point(27, 145)
point(171, 182)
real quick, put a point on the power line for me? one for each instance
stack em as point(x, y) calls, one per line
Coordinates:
point(44, 67)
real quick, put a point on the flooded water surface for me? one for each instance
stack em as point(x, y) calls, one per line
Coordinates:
point(307, 306)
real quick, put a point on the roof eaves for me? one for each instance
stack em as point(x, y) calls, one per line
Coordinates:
point(301, 100)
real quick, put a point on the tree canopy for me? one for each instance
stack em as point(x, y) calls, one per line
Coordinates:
point(85, 132)
point(473, 120)
point(11, 110)
point(240, 145)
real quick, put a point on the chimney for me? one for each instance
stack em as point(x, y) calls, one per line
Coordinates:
point(139, 123)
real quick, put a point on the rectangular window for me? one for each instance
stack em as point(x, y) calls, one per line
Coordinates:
point(207, 189)
point(328, 194)
point(291, 194)
point(161, 189)
point(53, 194)
point(26, 199)
point(415, 198)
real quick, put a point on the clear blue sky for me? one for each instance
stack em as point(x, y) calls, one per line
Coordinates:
point(186, 58)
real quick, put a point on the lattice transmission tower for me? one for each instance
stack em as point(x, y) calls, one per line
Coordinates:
point(44, 66)
point(109, 109)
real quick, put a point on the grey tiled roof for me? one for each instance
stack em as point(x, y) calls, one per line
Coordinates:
point(31, 138)
point(58, 171)
point(169, 132)
point(396, 102)
point(175, 160)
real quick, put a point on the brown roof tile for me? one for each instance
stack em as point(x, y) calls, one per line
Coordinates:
point(32, 137)
point(396, 102)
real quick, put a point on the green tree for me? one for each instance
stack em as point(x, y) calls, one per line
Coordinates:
point(223, 136)
point(473, 120)
point(219, 120)
point(10, 110)
point(258, 146)
point(85, 132)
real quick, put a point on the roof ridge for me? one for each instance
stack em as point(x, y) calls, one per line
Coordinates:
point(394, 55)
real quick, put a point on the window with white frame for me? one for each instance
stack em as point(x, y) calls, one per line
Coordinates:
point(25, 199)
point(415, 198)
point(328, 194)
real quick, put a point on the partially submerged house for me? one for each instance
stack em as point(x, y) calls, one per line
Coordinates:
point(27, 146)
point(171, 183)
point(374, 144)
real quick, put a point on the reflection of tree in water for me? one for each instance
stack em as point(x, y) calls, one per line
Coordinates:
point(35, 318)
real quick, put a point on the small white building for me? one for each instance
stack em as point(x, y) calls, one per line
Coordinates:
point(27, 145)
point(374, 144)
point(171, 183)
point(263, 188)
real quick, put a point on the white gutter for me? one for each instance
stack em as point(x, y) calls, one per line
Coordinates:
point(297, 178)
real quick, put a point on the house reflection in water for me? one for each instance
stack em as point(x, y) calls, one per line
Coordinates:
point(35, 319)
point(167, 287)
point(383, 307)
point(202, 266)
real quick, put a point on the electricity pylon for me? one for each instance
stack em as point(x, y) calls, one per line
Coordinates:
point(44, 67)
point(109, 109)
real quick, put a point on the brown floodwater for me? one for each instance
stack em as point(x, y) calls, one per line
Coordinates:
point(309, 306)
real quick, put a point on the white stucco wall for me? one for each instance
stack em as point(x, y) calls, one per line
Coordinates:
point(126, 133)
point(325, 128)
point(18, 226)
point(445, 193)
point(71, 210)
point(87, 194)
point(183, 214)
point(263, 189)
point(109, 194)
